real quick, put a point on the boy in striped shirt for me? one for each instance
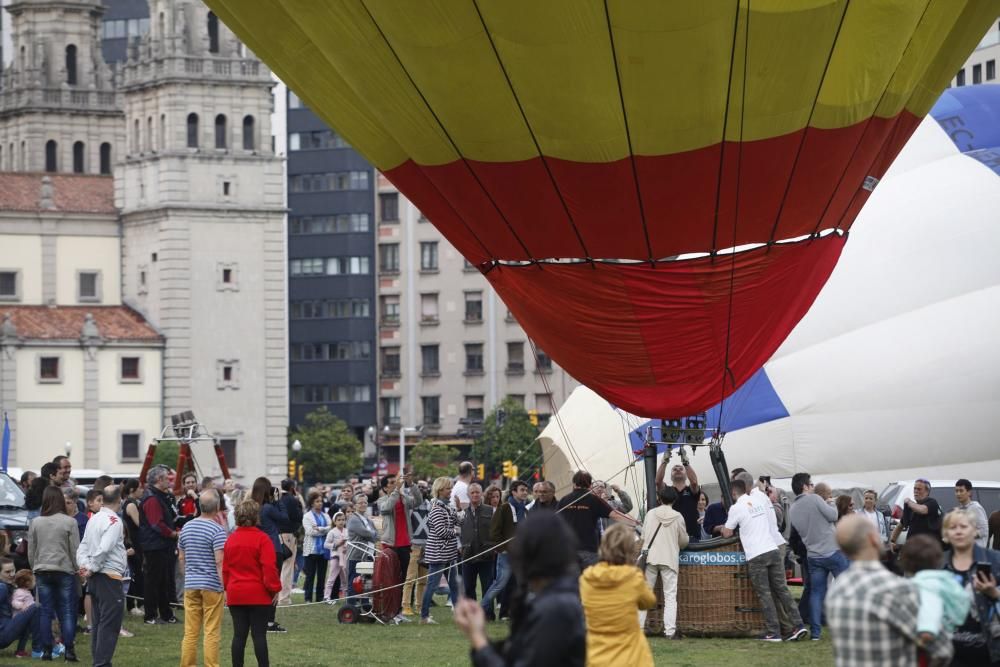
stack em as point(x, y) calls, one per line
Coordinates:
point(200, 551)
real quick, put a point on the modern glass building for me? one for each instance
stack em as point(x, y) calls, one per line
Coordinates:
point(331, 274)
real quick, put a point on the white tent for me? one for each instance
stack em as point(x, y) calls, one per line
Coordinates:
point(895, 371)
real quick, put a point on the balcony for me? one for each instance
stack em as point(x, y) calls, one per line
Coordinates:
point(515, 368)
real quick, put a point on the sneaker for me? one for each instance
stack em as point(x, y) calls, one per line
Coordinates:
point(155, 621)
point(136, 611)
point(298, 591)
point(428, 621)
point(770, 637)
point(125, 633)
point(797, 634)
point(58, 649)
point(331, 601)
point(451, 605)
point(276, 628)
point(36, 654)
point(84, 630)
point(23, 654)
point(815, 639)
point(407, 610)
point(172, 620)
point(399, 618)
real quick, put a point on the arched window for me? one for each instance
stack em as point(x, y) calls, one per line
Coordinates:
point(149, 133)
point(248, 136)
point(192, 130)
point(213, 33)
point(78, 164)
point(163, 27)
point(51, 148)
point(163, 131)
point(105, 158)
point(136, 137)
point(71, 64)
point(220, 131)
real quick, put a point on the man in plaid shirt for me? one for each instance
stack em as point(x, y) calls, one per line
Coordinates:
point(871, 612)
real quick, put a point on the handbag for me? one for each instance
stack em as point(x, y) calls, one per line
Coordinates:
point(641, 560)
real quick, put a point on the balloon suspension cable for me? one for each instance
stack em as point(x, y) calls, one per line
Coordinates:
point(577, 460)
point(736, 217)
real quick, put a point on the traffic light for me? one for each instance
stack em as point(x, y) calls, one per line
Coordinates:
point(533, 417)
point(481, 471)
point(301, 471)
point(292, 469)
point(508, 469)
point(513, 472)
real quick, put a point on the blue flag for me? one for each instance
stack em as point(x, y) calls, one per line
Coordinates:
point(6, 442)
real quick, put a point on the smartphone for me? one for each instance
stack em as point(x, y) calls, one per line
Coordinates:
point(984, 570)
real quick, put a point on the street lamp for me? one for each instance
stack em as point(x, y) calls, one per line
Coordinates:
point(296, 446)
point(402, 442)
point(68, 447)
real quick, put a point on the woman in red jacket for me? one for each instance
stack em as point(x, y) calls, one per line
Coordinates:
point(250, 577)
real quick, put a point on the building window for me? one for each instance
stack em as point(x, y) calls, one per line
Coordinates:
point(321, 393)
point(51, 150)
point(343, 223)
point(78, 164)
point(105, 158)
point(473, 306)
point(88, 286)
point(129, 369)
point(136, 137)
point(335, 308)
point(227, 374)
point(960, 77)
point(192, 130)
point(71, 65)
point(129, 444)
point(388, 258)
point(388, 207)
point(227, 277)
point(518, 399)
point(343, 266)
point(9, 285)
point(220, 131)
point(149, 134)
point(429, 256)
point(293, 100)
point(328, 181)
point(543, 362)
point(213, 33)
point(389, 309)
point(431, 410)
point(248, 133)
point(977, 73)
point(543, 404)
point(315, 139)
point(312, 266)
point(473, 358)
point(390, 362)
point(229, 453)
point(390, 410)
point(429, 360)
point(429, 307)
point(49, 369)
point(163, 131)
point(991, 70)
point(515, 358)
point(474, 408)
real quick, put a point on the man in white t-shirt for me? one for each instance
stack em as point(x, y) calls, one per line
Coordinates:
point(754, 516)
point(460, 490)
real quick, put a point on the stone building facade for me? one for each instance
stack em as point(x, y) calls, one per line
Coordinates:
point(198, 201)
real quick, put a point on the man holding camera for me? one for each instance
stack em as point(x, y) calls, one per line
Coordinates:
point(397, 499)
point(685, 481)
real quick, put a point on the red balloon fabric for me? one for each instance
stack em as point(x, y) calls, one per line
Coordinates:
point(652, 340)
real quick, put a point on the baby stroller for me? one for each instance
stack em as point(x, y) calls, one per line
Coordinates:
point(369, 604)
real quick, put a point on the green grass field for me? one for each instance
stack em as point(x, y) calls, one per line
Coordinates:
point(316, 638)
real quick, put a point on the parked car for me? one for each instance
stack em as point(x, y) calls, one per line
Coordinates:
point(13, 515)
point(943, 491)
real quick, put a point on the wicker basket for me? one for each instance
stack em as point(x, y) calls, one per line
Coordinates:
point(712, 600)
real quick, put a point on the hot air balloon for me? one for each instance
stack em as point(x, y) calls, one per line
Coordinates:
point(893, 372)
point(657, 190)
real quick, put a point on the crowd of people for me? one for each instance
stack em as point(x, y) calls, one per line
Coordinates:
point(574, 575)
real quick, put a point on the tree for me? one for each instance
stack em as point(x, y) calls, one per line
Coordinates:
point(330, 450)
point(513, 441)
point(167, 452)
point(430, 460)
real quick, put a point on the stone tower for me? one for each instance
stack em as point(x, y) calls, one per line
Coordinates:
point(202, 200)
point(59, 111)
